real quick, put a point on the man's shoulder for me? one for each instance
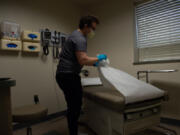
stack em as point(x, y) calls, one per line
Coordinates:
point(77, 36)
point(75, 33)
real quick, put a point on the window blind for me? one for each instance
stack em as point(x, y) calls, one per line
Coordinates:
point(158, 30)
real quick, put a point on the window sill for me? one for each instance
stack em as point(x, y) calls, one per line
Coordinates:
point(156, 62)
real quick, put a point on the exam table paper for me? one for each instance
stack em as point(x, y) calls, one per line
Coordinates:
point(132, 89)
point(91, 81)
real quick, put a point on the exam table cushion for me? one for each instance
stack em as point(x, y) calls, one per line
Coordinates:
point(111, 98)
point(105, 96)
point(29, 113)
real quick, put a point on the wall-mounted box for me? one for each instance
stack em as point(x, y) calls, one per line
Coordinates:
point(11, 45)
point(31, 36)
point(31, 47)
point(10, 30)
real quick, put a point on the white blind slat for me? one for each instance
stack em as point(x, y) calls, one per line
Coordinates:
point(157, 8)
point(174, 25)
point(174, 17)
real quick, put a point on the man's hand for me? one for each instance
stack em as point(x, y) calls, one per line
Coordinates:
point(102, 57)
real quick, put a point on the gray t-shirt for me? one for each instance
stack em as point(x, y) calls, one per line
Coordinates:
point(68, 62)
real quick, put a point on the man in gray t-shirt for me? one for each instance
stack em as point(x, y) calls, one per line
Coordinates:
point(68, 61)
point(72, 58)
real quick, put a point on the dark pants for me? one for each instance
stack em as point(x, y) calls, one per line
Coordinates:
point(71, 86)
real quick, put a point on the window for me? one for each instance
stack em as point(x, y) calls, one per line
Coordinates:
point(157, 30)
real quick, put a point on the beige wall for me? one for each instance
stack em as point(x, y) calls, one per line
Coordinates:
point(34, 73)
point(115, 37)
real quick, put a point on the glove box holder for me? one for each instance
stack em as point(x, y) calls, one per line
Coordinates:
point(31, 36)
point(10, 45)
point(31, 47)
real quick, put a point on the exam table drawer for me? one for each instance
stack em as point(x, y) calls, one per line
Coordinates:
point(141, 114)
point(141, 124)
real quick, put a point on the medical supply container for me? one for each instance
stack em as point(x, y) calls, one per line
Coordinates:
point(31, 47)
point(31, 36)
point(10, 30)
point(10, 45)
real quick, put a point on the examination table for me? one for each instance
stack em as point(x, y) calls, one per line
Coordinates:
point(106, 113)
point(120, 104)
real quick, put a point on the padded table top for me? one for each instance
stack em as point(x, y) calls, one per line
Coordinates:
point(108, 97)
point(113, 99)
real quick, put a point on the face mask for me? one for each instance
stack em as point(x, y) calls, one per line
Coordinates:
point(91, 34)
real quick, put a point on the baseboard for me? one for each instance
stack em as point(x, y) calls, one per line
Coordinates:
point(170, 121)
point(49, 117)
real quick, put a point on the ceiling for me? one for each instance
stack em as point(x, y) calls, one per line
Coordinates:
point(85, 3)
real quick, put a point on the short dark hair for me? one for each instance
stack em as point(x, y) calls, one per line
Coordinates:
point(87, 20)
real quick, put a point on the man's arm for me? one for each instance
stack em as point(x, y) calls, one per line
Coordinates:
point(83, 59)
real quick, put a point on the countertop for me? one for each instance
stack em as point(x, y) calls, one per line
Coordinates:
point(7, 83)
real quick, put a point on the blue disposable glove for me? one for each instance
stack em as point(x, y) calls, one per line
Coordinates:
point(96, 64)
point(102, 57)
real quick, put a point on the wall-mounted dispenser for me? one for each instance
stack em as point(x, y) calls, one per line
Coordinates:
point(31, 47)
point(10, 36)
point(10, 30)
point(11, 45)
point(31, 36)
point(31, 41)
